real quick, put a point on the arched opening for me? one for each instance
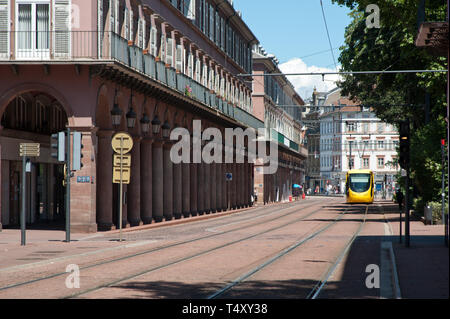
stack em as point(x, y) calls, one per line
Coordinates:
point(32, 117)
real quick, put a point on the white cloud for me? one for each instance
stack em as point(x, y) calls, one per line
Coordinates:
point(304, 84)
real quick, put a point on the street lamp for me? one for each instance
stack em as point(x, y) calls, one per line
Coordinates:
point(156, 125)
point(131, 115)
point(145, 124)
point(166, 129)
point(116, 112)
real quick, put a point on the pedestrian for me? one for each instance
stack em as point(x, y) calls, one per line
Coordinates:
point(399, 197)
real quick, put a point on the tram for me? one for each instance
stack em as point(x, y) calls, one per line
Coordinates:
point(359, 186)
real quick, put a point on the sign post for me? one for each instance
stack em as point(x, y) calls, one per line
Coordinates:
point(26, 150)
point(122, 143)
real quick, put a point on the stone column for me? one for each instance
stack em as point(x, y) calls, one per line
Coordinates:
point(157, 181)
point(104, 181)
point(134, 188)
point(168, 182)
point(193, 188)
point(213, 184)
point(207, 186)
point(186, 189)
point(201, 188)
point(146, 181)
point(177, 190)
point(219, 190)
point(246, 184)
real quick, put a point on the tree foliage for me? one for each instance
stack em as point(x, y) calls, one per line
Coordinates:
point(399, 96)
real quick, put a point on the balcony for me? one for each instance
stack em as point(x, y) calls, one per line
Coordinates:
point(108, 47)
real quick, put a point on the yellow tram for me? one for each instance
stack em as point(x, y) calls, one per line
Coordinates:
point(359, 186)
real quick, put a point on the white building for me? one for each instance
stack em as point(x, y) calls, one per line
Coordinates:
point(352, 135)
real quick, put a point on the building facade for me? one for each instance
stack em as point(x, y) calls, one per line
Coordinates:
point(311, 115)
point(352, 137)
point(158, 65)
point(277, 104)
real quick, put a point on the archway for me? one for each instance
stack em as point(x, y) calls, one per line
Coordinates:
point(31, 117)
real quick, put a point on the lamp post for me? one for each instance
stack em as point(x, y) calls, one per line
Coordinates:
point(116, 114)
point(166, 130)
point(145, 124)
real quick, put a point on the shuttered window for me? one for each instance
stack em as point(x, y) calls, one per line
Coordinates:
point(153, 41)
point(4, 29)
point(169, 53)
point(61, 23)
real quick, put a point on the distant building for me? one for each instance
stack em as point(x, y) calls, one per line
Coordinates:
point(276, 102)
point(312, 127)
point(352, 137)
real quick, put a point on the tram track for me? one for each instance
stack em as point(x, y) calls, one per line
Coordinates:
point(284, 252)
point(190, 257)
point(290, 210)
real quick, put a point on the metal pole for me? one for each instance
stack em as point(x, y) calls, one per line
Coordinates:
point(443, 185)
point(120, 189)
point(68, 187)
point(400, 234)
point(22, 213)
point(407, 207)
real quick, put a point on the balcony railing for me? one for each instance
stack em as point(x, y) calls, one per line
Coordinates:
point(108, 46)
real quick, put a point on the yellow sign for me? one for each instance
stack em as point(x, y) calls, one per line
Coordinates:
point(126, 160)
point(126, 173)
point(122, 143)
point(30, 149)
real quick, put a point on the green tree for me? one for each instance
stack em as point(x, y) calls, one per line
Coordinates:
point(395, 97)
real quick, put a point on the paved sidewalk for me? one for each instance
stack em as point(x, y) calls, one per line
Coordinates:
point(423, 267)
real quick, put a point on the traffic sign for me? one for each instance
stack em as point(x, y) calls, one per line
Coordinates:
point(122, 143)
point(229, 177)
point(125, 159)
point(126, 173)
point(30, 149)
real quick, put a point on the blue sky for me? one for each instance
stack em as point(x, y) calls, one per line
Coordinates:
point(292, 30)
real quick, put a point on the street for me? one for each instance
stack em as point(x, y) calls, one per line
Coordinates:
point(315, 248)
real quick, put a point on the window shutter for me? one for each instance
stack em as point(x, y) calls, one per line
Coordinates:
point(211, 79)
point(100, 27)
point(216, 83)
point(197, 70)
point(169, 53)
point(179, 58)
point(205, 75)
point(190, 65)
point(127, 23)
point(191, 9)
point(61, 30)
point(131, 26)
point(141, 33)
point(222, 87)
point(153, 37)
point(163, 48)
point(4, 29)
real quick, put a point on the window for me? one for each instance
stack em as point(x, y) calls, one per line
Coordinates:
point(381, 145)
point(33, 26)
point(380, 162)
point(365, 162)
point(351, 127)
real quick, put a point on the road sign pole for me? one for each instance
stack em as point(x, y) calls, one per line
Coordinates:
point(22, 213)
point(68, 187)
point(121, 187)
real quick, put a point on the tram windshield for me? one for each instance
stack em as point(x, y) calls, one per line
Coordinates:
point(359, 182)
